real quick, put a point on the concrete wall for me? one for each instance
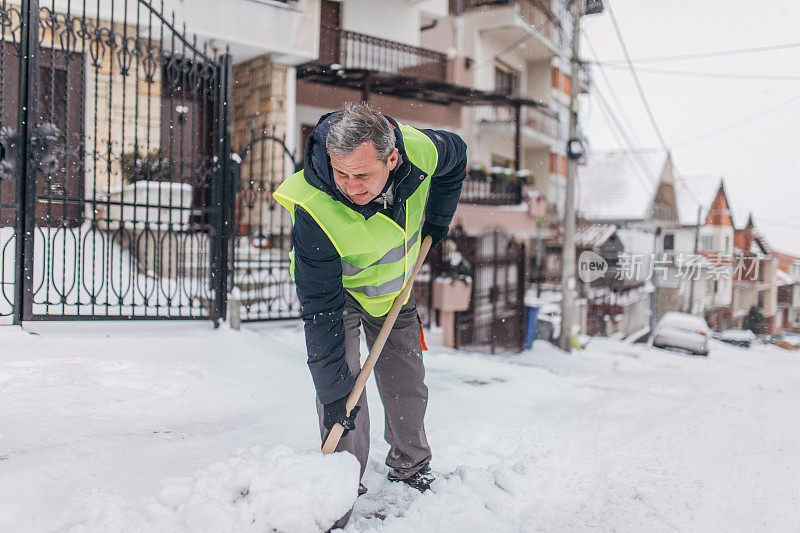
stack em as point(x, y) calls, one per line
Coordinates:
point(290, 32)
point(395, 20)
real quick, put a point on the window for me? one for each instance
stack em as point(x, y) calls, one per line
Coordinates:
point(506, 79)
point(558, 164)
point(669, 242)
point(760, 300)
point(707, 242)
point(561, 80)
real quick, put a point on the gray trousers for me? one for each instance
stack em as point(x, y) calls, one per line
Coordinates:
point(399, 374)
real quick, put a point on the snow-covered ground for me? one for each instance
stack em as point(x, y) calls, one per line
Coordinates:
point(178, 427)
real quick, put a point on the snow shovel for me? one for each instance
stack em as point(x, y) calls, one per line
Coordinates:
point(361, 381)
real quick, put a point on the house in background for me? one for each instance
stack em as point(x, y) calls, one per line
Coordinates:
point(755, 281)
point(611, 304)
point(788, 305)
point(706, 234)
point(635, 191)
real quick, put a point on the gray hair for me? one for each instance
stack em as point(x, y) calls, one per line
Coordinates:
point(357, 124)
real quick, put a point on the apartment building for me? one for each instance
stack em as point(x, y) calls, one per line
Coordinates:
point(370, 51)
point(520, 48)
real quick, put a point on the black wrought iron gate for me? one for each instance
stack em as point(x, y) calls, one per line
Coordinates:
point(261, 286)
point(495, 320)
point(115, 189)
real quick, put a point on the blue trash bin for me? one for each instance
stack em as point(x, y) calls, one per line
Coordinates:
point(531, 318)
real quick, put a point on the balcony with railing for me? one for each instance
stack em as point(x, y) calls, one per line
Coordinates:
point(539, 124)
point(535, 13)
point(343, 49)
point(498, 188)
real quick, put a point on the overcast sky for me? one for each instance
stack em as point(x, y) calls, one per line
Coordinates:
point(758, 159)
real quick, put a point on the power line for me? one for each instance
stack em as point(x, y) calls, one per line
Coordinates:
point(736, 124)
point(635, 152)
point(768, 222)
point(620, 130)
point(703, 55)
point(695, 74)
point(635, 77)
point(620, 107)
point(643, 97)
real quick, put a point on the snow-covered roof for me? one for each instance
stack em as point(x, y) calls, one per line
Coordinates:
point(594, 235)
point(618, 185)
point(692, 192)
point(783, 278)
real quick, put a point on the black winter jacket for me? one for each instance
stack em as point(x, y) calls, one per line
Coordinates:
point(318, 268)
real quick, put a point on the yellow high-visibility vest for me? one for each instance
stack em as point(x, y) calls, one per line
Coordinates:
point(377, 254)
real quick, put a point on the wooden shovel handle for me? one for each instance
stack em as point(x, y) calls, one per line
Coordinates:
point(361, 381)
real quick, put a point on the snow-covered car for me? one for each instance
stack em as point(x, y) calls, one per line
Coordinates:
point(682, 331)
point(738, 337)
point(787, 341)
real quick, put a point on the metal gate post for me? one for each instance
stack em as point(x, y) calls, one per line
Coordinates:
point(222, 190)
point(521, 310)
point(28, 78)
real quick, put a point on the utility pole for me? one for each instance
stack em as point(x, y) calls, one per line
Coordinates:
point(575, 152)
point(696, 251)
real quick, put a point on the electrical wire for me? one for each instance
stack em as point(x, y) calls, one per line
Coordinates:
point(738, 123)
point(634, 151)
point(704, 55)
point(620, 107)
point(635, 77)
point(695, 74)
point(640, 90)
point(610, 113)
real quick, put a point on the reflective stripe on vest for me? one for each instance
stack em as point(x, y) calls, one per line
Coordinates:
point(377, 255)
point(392, 256)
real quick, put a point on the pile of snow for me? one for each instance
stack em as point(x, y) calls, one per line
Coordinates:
point(137, 431)
point(740, 335)
point(258, 489)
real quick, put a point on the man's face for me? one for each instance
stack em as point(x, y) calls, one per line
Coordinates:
point(360, 175)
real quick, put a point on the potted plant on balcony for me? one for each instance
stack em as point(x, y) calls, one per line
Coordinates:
point(452, 291)
point(150, 195)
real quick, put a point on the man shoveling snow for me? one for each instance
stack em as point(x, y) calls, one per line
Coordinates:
point(371, 192)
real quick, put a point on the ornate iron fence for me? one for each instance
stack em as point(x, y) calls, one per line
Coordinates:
point(115, 157)
point(495, 320)
point(261, 287)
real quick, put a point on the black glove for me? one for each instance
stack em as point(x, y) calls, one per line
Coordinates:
point(335, 413)
point(437, 232)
